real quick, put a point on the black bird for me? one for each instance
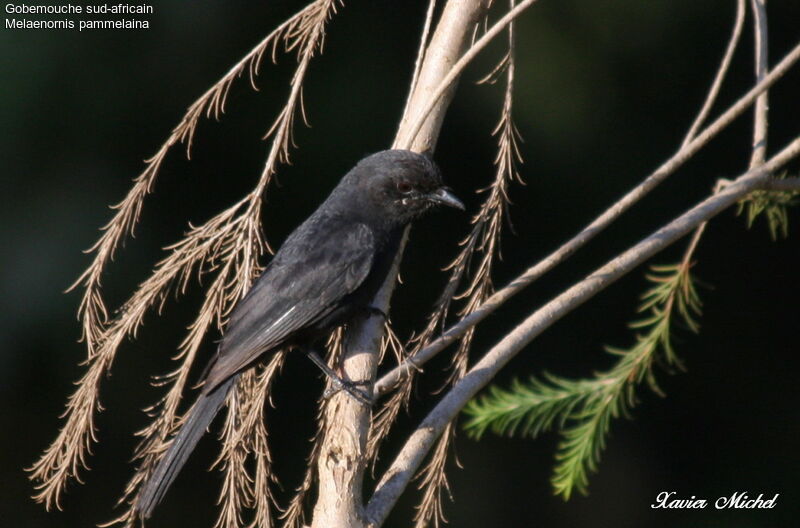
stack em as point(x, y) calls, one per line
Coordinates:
point(325, 274)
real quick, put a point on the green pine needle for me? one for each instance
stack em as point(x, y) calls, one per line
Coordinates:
point(582, 410)
point(773, 205)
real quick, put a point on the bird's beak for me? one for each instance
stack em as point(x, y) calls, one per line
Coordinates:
point(444, 196)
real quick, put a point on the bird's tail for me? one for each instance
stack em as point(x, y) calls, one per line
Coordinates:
point(200, 416)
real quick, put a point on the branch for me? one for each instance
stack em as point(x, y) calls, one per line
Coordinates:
point(713, 92)
point(343, 453)
point(786, 185)
point(390, 379)
point(409, 130)
point(759, 147)
point(410, 457)
point(760, 118)
point(762, 103)
point(423, 45)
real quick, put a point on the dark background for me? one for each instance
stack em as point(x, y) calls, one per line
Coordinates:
point(605, 92)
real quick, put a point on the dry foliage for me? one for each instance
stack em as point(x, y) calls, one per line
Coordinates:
point(228, 248)
point(483, 245)
point(229, 245)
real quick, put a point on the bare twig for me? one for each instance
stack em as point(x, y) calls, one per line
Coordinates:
point(483, 244)
point(785, 185)
point(423, 45)
point(761, 67)
point(411, 455)
point(409, 131)
point(759, 148)
point(713, 92)
point(390, 379)
point(236, 492)
point(344, 451)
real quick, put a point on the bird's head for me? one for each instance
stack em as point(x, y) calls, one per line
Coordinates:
point(402, 185)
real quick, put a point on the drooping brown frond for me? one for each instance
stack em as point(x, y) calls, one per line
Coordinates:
point(156, 436)
point(479, 252)
point(434, 482)
point(483, 241)
point(385, 417)
point(237, 485)
point(294, 516)
point(306, 38)
point(228, 238)
point(254, 435)
point(245, 433)
point(67, 453)
point(92, 311)
point(392, 343)
point(231, 239)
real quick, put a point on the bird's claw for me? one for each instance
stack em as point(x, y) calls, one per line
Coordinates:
point(350, 387)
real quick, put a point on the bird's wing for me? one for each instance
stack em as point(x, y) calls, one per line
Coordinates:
point(312, 273)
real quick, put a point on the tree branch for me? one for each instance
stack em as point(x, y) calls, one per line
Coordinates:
point(423, 45)
point(762, 103)
point(342, 457)
point(713, 92)
point(418, 117)
point(786, 184)
point(411, 455)
point(684, 153)
point(758, 152)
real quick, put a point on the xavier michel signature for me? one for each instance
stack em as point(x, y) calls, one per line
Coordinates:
point(737, 500)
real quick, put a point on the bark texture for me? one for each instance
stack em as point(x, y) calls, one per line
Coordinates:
point(341, 464)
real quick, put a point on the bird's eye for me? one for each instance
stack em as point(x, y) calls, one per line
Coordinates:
point(404, 187)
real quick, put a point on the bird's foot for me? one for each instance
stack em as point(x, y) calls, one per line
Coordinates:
point(337, 383)
point(350, 387)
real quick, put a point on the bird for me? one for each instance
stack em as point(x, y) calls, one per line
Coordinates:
point(324, 275)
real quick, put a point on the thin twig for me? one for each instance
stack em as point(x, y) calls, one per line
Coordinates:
point(343, 454)
point(761, 67)
point(483, 245)
point(391, 378)
point(407, 137)
point(713, 92)
point(423, 45)
point(401, 470)
point(759, 148)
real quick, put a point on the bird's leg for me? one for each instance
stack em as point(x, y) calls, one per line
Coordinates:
point(337, 382)
point(374, 310)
